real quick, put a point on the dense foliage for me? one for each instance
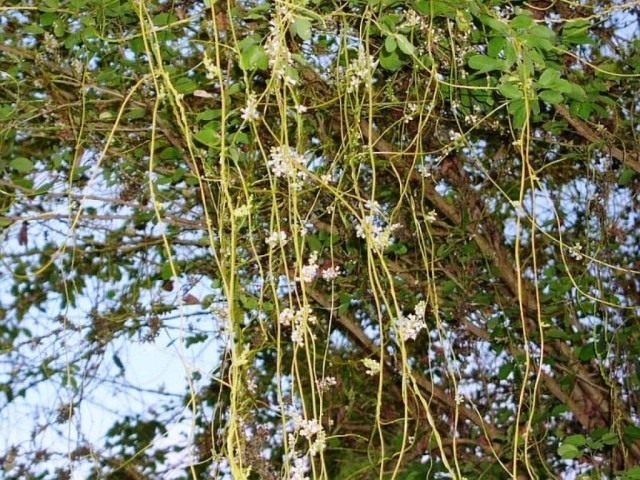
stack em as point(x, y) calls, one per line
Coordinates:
point(377, 239)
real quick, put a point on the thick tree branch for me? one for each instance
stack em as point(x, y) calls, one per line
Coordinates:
point(630, 159)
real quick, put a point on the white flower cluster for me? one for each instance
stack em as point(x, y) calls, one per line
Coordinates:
point(277, 239)
point(280, 58)
point(250, 111)
point(210, 67)
point(372, 365)
point(374, 229)
point(576, 252)
point(309, 272)
point(285, 161)
point(360, 70)
point(50, 43)
point(326, 383)
point(312, 430)
point(409, 326)
point(330, 273)
point(410, 113)
point(300, 468)
point(424, 170)
point(412, 19)
point(297, 320)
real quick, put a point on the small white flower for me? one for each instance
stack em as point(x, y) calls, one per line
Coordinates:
point(242, 211)
point(330, 273)
point(286, 317)
point(77, 65)
point(431, 216)
point(421, 308)
point(520, 212)
point(301, 109)
point(360, 70)
point(210, 67)
point(297, 335)
point(371, 229)
point(372, 365)
point(409, 326)
point(277, 239)
point(285, 161)
point(280, 58)
point(575, 251)
point(306, 228)
point(309, 428)
point(298, 321)
point(453, 135)
point(250, 111)
point(326, 383)
point(424, 170)
point(50, 43)
point(412, 19)
point(300, 468)
point(373, 206)
point(309, 272)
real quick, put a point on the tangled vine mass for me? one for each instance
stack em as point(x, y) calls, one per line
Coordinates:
point(311, 239)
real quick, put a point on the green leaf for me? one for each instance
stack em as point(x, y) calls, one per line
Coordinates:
point(510, 90)
point(518, 110)
point(208, 115)
point(164, 19)
point(167, 272)
point(6, 111)
point(185, 85)
point(391, 61)
point(484, 64)
point(522, 21)
point(576, 32)
point(405, 45)
point(631, 474)
point(587, 352)
point(169, 153)
point(195, 339)
point(632, 432)
point(314, 242)
point(254, 58)
point(423, 7)
point(537, 42)
point(498, 25)
point(398, 248)
point(505, 370)
point(209, 137)
point(390, 43)
point(576, 92)
point(610, 438)
point(33, 29)
point(249, 302)
point(542, 31)
point(568, 451)
point(549, 78)
point(302, 28)
point(582, 109)
point(577, 440)
point(135, 114)
point(496, 46)
point(21, 164)
point(551, 96)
